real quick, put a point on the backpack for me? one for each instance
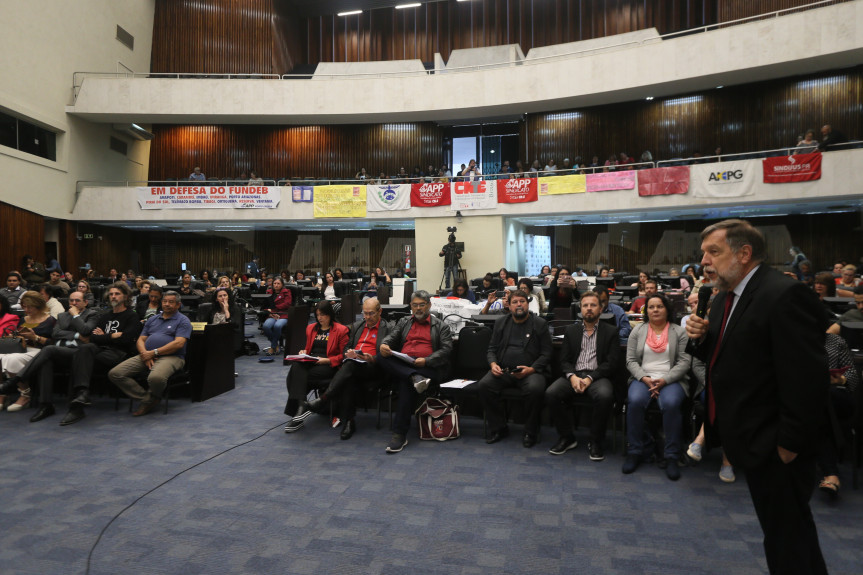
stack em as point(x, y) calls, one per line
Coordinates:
point(250, 347)
point(437, 420)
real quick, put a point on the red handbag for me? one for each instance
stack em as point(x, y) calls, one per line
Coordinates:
point(437, 420)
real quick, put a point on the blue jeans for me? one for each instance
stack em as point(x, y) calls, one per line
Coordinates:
point(273, 330)
point(670, 400)
point(450, 272)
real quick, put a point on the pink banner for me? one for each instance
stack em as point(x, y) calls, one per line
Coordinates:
point(606, 181)
point(663, 181)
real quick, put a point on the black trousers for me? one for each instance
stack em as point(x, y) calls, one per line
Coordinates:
point(300, 375)
point(781, 493)
point(560, 397)
point(408, 396)
point(490, 389)
point(345, 383)
point(81, 358)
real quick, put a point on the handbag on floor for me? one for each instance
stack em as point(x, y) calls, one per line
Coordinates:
point(437, 419)
point(12, 344)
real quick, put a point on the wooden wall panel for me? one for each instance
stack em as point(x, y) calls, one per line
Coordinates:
point(295, 151)
point(761, 116)
point(22, 233)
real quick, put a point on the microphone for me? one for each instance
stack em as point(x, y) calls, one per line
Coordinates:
point(704, 294)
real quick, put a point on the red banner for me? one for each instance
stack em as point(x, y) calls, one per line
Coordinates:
point(516, 191)
point(430, 195)
point(797, 168)
point(663, 181)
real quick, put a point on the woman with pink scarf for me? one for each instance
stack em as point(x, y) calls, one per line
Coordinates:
point(657, 360)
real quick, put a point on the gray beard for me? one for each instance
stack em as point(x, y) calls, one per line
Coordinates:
point(114, 304)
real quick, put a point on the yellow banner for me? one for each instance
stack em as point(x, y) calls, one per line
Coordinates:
point(340, 201)
point(551, 186)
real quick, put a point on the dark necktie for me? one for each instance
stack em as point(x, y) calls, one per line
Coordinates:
point(711, 404)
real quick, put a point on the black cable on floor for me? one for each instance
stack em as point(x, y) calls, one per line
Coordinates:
point(104, 529)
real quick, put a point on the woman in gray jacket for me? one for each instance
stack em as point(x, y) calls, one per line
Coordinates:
point(657, 360)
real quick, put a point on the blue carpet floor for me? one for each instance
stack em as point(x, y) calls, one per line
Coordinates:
point(308, 503)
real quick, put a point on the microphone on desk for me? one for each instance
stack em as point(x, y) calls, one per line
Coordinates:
point(704, 294)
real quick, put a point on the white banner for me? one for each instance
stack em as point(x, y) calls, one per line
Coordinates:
point(724, 179)
point(388, 198)
point(179, 197)
point(474, 195)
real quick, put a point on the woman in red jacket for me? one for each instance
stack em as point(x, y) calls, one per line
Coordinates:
point(325, 339)
point(278, 317)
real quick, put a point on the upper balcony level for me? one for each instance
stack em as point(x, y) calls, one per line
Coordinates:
point(491, 82)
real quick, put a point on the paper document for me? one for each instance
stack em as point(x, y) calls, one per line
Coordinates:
point(301, 357)
point(356, 359)
point(458, 383)
point(404, 357)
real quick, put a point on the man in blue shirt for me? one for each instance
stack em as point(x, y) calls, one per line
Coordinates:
point(161, 350)
point(620, 319)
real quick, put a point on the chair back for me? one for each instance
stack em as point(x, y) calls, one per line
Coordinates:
point(471, 360)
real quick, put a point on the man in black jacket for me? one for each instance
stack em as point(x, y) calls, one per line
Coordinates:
point(590, 357)
point(519, 354)
point(428, 343)
point(767, 383)
point(361, 354)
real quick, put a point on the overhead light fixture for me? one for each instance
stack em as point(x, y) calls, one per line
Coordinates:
point(351, 13)
point(415, 5)
point(649, 98)
point(719, 87)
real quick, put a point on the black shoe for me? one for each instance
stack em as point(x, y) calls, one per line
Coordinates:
point(302, 414)
point(10, 386)
point(316, 405)
point(45, 410)
point(498, 435)
point(672, 471)
point(563, 445)
point(82, 398)
point(529, 440)
point(595, 450)
point(397, 443)
point(348, 430)
point(631, 464)
point(75, 415)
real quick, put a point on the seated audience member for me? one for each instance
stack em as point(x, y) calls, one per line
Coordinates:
point(461, 290)
point(519, 355)
point(842, 388)
point(361, 175)
point(427, 339)
point(225, 310)
point(535, 168)
point(563, 290)
point(186, 287)
point(693, 276)
point(197, 175)
point(642, 279)
point(684, 283)
point(299, 276)
point(32, 271)
point(325, 339)
point(35, 329)
point(486, 286)
point(72, 325)
point(83, 286)
point(526, 285)
point(57, 281)
point(830, 137)
point(150, 305)
point(206, 282)
point(277, 314)
point(650, 288)
point(808, 144)
point(496, 305)
point(824, 286)
point(383, 276)
point(546, 282)
point(328, 288)
point(110, 342)
point(161, 351)
point(837, 271)
point(255, 179)
point(852, 314)
point(371, 287)
point(603, 272)
point(50, 294)
point(624, 158)
point(8, 320)
point(591, 352)
point(13, 290)
point(847, 282)
point(361, 353)
point(339, 275)
point(658, 363)
point(620, 319)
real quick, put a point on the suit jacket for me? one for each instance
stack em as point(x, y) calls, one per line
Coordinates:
point(770, 376)
point(680, 360)
point(537, 345)
point(335, 344)
point(67, 326)
point(356, 331)
point(607, 350)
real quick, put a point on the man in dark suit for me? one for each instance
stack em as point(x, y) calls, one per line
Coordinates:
point(590, 356)
point(519, 355)
point(767, 387)
point(361, 353)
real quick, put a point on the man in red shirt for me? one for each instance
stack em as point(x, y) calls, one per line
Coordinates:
point(650, 288)
point(428, 342)
point(361, 354)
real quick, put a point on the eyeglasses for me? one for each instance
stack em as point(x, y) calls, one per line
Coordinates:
point(419, 305)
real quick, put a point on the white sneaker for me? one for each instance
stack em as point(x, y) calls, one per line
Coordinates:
point(694, 451)
point(726, 474)
point(422, 385)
